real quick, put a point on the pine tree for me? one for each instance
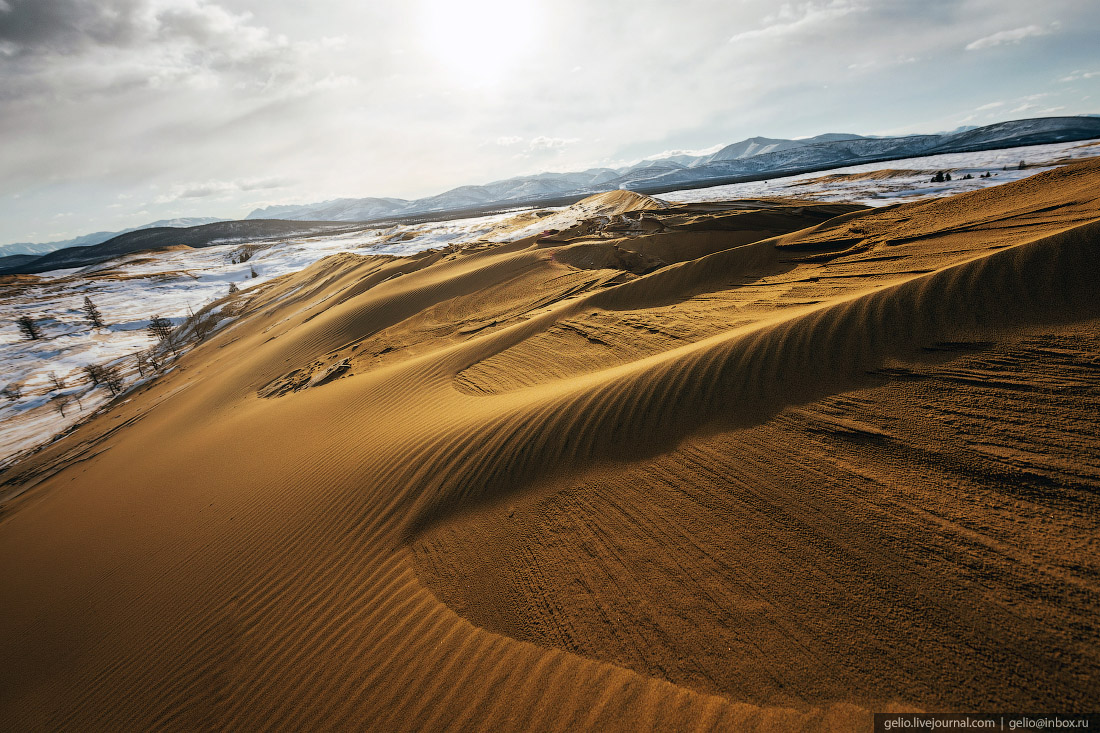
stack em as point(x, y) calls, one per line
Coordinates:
point(253, 272)
point(93, 314)
point(29, 328)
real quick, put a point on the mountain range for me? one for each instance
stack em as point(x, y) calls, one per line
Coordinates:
point(85, 240)
point(756, 157)
point(752, 159)
point(152, 238)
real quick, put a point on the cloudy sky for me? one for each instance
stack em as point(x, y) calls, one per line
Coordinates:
point(114, 113)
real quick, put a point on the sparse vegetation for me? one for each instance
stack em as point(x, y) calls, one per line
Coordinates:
point(165, 332)
point(30, 329)
point(161, 328)
point(153, 360)
point(243, 254)
point(94, 373)
point(59, 402)
point(110, 378)
point(12, 392)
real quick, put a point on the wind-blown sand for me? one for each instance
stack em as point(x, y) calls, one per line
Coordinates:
point(768, 464)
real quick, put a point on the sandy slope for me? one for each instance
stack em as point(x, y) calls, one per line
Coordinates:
point(764, 465)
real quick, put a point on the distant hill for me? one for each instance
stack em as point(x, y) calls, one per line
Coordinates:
point(752, 158)
point(221, 232)
point(86, 240)
point(16, 260)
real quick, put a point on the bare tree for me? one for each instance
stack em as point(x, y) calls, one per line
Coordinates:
point(233, 288)
point(161, 328)
point(57, 382)
point(30, 329)
point(110, 377)
point(93, 314)
point(59, 401)
point(164, 331)
point(202, 328)
point(94, 373)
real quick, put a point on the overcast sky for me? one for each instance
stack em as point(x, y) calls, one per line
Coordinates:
point(114, 113)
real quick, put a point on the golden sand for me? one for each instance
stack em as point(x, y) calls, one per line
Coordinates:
point(763, 465)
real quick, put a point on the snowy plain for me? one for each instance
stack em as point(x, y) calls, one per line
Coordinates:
point(172, 283)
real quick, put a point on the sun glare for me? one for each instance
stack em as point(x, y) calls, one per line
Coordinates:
point(479, 42)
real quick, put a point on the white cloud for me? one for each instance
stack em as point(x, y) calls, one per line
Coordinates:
point(550, 143)
point(205, 189)
point(1011, 36)
point(1035, 110)
point(799, 18)
point(114, 46)
point(1079, 75)
point(990, 105)
point(882, 63)
point(238, 97)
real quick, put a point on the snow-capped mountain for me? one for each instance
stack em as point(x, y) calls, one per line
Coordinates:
point(754, 157)
point(334, 210)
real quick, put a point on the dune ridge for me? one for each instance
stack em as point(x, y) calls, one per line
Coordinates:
point(253, 548)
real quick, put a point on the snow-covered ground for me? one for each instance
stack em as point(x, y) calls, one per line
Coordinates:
point(850, 184)
point(130, 290)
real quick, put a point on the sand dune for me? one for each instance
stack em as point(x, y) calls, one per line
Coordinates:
point(758, 465)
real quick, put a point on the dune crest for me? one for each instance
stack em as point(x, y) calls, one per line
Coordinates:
point(728, 469)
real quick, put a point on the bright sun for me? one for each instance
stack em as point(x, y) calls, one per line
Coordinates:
point(478, 42)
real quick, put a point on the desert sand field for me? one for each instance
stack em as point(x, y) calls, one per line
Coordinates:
point(763, 464)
